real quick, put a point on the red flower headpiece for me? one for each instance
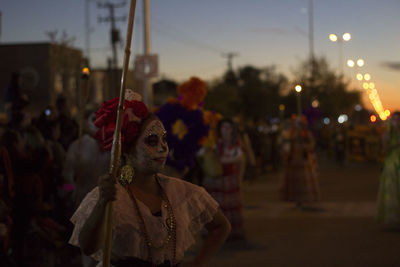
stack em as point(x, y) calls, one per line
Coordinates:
point(106, 119)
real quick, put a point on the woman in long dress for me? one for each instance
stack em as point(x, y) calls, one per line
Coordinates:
point(300, 181)
point(155, 217)
point(388, 206)
point(226, 190)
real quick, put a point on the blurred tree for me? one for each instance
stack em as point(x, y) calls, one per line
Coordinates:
point(257, 92)
point(251, 92)
point(163, 90)
point(329, 89)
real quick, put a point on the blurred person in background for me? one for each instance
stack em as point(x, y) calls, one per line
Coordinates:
point(340, 143)
point(19, 169)
point(85, 162)
point(300, 181)
point(226, 190)
point(248, 163)
point(43, 242)
point(12, 94)
point(68, 126)
point(388, 206)
point(183, 118)
point(5, 235)
point(51, 131)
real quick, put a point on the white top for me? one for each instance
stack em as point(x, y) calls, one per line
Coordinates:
point(85, 169)
point(193, 207)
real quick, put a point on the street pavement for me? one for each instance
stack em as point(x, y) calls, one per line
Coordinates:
point(340, 230)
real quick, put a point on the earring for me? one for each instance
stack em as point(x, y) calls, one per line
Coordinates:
point(127, 173)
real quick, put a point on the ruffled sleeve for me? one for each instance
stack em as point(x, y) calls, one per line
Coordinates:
point(193, 208)
point(126, 239)
point(81, 215)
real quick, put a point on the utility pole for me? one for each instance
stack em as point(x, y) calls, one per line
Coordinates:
point(311, 28)
point(230, 56)
point(147, 86)
point(0, 24)
point(87, 31)
point(115, 38)
point(311, 46)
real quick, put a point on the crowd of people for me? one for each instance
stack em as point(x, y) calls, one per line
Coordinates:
point(49, 172)
point(35, 200)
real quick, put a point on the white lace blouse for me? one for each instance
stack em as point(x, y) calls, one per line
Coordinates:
point(193, 207)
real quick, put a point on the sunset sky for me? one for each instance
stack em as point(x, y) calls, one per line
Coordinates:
point(190, 35)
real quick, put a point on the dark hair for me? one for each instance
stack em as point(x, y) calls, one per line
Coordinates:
point(232, 123)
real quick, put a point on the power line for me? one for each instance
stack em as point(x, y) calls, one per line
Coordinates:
point(229, 56)
point(180, 36)
point(114, 33)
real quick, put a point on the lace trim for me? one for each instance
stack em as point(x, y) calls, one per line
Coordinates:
point(193, 208)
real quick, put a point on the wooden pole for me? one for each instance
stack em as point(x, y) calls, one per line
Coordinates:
point(83, 97)
point(116, 146)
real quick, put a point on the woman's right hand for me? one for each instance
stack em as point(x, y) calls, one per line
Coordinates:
point(107, 188)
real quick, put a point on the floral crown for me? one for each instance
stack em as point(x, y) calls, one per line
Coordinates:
point(135, 112)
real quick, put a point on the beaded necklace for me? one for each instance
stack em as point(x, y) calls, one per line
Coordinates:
point(170, 223)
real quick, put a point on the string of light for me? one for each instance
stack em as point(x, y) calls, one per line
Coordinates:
point(373, 95)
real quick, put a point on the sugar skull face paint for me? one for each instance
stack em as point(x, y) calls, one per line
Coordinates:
point(151, 151)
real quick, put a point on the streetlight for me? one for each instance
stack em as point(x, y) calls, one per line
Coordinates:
point(359, 63)
point(350, 63)
point(371, 86)
point(356, 64)
point(298, 89)
point(345, 38)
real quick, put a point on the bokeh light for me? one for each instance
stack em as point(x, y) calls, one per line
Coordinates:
point(347, 36)
point(350, 63)
point(333, 37)
point(86, 71)
point(343, 118)
point(371, 86)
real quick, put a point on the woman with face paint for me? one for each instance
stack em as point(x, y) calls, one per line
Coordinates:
point(155, 218)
